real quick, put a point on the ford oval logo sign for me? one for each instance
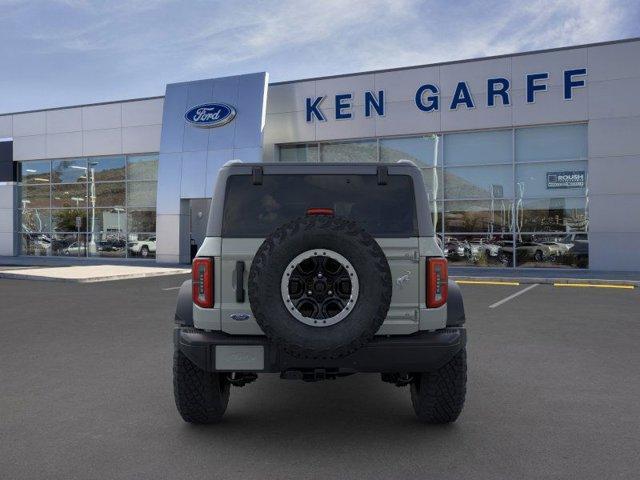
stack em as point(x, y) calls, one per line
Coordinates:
point(210, 115)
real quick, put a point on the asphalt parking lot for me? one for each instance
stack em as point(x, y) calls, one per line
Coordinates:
point(85, 393)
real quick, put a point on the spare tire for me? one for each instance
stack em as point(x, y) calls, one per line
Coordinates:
point(320, 287)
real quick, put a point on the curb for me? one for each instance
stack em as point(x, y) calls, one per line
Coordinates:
point(126, 276)
point(547, 281)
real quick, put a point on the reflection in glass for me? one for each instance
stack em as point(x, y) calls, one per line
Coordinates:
point(107, 169)
point(350, 152)
point(37, 244)
point(68, 245)
point(532, 179)
point(558, 142)
point(479, 182)
point(69, 195)
point(108, 223)
point(35, 220)
point(35, 196)
point(553, 250)
point(103, 244)
point(69, 171)
point(490, 217)
point(109, 194)
point(142, 220)
point(299, 153)
point(85, 189)
point(141, 194)
point(142, 245)
point(433, 182)
point(551, 215)
point(423, 151)
point(478, 148)
point(475, 249)
point(35, 171)
point(64, 220)
point(436, 215)
point(142, 167)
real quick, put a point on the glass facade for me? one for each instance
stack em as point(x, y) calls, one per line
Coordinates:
point(512, 197)
point(95, 206)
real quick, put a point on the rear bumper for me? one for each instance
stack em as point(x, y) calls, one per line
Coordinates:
point(419, 352)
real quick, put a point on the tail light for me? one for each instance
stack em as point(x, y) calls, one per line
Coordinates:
point(320, 211)
point(437, 282)
point(202, 282)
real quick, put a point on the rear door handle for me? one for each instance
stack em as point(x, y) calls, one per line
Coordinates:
point(240, 281)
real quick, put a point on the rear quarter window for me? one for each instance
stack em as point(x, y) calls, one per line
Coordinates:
point(382, 210)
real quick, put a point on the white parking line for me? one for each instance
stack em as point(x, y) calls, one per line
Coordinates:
point(171, 288)
point(511, 297)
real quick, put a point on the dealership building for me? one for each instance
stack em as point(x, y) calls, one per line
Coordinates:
point(530, 160)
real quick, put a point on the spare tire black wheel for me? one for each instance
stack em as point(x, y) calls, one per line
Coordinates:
point(320, 287)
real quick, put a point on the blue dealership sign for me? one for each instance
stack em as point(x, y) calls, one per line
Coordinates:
point(427, 96)
point(210, 115)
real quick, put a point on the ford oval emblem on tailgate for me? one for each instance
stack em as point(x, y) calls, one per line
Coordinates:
point(239, 317)
point(210, 115)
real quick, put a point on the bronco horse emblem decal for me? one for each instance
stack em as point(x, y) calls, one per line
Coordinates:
point(403, 279)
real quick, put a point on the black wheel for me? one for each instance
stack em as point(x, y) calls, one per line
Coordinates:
point(438, 397)
point(201, 397)
point(144, 251)
point(320, 287)
point(538, 256)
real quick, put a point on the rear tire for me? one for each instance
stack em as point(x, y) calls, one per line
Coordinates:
point(438, 397)
point(201, 397)
point(144, 251)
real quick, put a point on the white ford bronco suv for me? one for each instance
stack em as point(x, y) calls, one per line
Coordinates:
point(318, 271)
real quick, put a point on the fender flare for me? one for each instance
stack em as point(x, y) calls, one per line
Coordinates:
point(455, 306)
point(184, 307)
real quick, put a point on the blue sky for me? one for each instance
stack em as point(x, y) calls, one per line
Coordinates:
point(67, 52)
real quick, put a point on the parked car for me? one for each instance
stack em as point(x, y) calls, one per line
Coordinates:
point(453, 248)
point(557, 249)
point(478, 246)
point(110, 245)
point(579, 250)
point(75, 249)
point(525, 251)
point(144, 248)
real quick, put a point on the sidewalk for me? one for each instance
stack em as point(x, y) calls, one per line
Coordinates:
point(88, 273)
point(28, 261)
point(544, 276)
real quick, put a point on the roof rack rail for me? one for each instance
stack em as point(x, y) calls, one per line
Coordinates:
point(404, 161)
point(235, 161)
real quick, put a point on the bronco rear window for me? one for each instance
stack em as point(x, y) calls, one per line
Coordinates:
point(382, 210)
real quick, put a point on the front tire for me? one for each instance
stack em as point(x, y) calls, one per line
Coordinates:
point(438, 397)
point(201, 397)
point(144, 251)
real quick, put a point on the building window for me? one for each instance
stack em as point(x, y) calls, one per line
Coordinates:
point(298, 153)
point(349, 152)
point(512, 197)
point(96, 206)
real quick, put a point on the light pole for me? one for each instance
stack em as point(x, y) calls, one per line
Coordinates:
point(118, 211)
point(91, 172)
